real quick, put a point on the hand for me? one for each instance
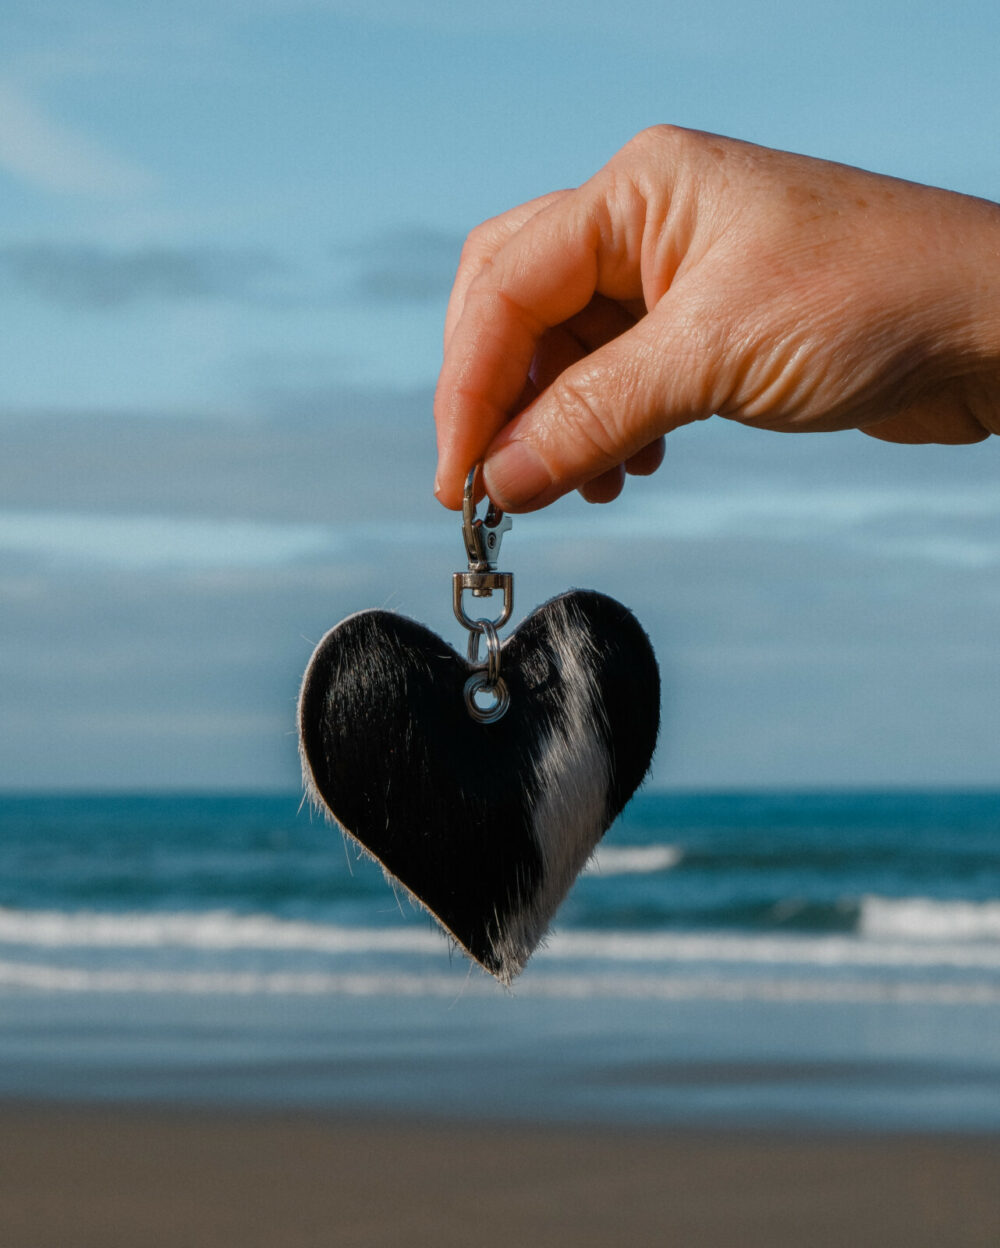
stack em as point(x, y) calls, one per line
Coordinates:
point(696, 275)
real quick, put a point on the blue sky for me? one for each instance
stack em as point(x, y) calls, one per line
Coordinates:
point(227, 232)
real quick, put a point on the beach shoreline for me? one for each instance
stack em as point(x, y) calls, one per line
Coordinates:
point(118, 1175)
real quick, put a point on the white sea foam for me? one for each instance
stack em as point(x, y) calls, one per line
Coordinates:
point(236, 983)
point(634, 859)
point(786, 950)
point(211, 930)
point(673, 987)
point(923, 919)
point(222, 931)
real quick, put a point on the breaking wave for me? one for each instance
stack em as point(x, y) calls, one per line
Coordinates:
point(634, 859)
point(923, 919)
point(892, 933)
point(58, 979)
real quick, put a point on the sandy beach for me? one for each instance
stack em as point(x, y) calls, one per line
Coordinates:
point(103, 1178)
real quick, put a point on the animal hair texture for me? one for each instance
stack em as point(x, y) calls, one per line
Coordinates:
point(485, 825)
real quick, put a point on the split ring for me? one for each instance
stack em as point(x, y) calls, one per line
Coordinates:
point(478, 683)
point(487, 629)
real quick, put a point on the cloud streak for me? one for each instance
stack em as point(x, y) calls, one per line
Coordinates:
point(151, 543)
point(412, 264)
point(86, 276)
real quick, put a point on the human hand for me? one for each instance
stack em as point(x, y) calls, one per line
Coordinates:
point(696, 275)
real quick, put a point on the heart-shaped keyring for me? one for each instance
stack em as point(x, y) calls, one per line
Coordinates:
point(486, 817)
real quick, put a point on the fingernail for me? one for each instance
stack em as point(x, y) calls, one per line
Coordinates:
point(515, 475)
point(442, 494)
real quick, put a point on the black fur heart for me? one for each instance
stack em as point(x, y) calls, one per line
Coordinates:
point(487, 825)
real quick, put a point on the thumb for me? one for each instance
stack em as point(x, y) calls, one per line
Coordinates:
point(601, 411)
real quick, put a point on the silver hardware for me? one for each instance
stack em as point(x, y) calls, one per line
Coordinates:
point(486, 582)
point(482, 538)
point(492, 650)
point(477, 683)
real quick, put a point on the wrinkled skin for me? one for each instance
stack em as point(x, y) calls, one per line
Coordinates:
point(696, 275)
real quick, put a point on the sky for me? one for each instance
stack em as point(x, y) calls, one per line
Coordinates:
point(227, 235)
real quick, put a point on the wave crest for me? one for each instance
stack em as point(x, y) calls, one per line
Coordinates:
point(924, 919)
point(634, 859)
point(211, 929)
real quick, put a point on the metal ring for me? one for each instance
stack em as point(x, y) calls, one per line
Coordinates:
point(487, 629)
point(477, 683)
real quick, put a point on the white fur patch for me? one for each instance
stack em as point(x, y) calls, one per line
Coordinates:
point(573, 777)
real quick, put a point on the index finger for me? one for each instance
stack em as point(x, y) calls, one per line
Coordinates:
point(481, 246)
point(548, 270)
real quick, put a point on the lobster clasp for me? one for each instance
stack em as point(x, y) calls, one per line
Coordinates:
point(482, 536)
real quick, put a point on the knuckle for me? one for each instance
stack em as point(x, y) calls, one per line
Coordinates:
point(657, 137)
point(479, 247)
point(583, 422)
point(473, 250)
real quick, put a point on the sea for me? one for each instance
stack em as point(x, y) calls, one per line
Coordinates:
point(801, 961)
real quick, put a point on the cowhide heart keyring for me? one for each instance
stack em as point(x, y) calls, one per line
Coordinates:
point(482, 784)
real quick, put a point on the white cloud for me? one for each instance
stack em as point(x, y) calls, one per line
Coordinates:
point(48, 154)
point(154, 542)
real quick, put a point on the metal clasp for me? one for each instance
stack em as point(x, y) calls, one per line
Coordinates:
point(482, 537)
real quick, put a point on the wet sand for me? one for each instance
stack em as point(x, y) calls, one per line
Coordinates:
point(121, 1178)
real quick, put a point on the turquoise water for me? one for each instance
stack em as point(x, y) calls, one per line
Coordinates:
point(762, 959)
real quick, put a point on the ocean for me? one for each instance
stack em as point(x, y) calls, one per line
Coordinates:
point(790, 960)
